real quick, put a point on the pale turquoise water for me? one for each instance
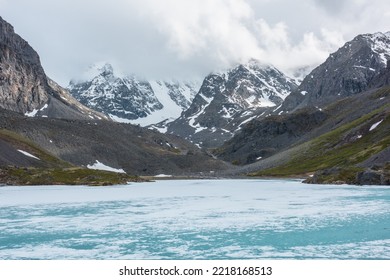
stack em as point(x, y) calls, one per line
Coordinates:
point(204, 219)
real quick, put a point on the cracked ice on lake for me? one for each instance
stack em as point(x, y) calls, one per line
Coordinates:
point(196, 219)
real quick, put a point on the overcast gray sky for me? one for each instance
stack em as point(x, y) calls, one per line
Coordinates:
point(186, 38)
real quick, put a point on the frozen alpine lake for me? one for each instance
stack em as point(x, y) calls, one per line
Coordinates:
point(196, 219)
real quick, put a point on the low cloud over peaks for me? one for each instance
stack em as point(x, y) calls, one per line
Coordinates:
point(180, 39)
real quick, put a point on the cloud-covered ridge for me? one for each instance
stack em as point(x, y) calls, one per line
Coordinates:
point(180, 39)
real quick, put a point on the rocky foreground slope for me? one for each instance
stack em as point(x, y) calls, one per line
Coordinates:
point(134, 149)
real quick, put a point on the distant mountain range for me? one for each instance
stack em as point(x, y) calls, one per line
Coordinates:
point(205, 113)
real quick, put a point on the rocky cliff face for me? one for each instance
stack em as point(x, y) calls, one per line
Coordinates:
point(346, 72)
point(24, 86)
point(228, 100)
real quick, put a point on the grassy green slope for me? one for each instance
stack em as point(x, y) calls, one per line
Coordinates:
point(50, 170)
point(344, 147)
point(63, 176)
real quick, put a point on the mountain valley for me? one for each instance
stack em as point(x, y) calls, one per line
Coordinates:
point(250, 120)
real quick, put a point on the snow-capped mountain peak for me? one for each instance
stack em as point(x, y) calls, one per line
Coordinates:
point(265, 85)
point(250, 85)
point(230, 98)
point(127, 98)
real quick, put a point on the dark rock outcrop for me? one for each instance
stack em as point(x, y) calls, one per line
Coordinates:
point(335, 175)
point(369, 177)
point(380, 176)
point(260, 139)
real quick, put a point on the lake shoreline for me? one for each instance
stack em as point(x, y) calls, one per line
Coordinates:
point(22, 176)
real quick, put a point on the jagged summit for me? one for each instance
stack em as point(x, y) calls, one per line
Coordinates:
point(255, 84)
point(266, 82)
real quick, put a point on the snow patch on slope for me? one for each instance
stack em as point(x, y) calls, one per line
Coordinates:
point(100, 166)
point(375, 125)
point(28, 154)
point(34, 112)
point(170, 110)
